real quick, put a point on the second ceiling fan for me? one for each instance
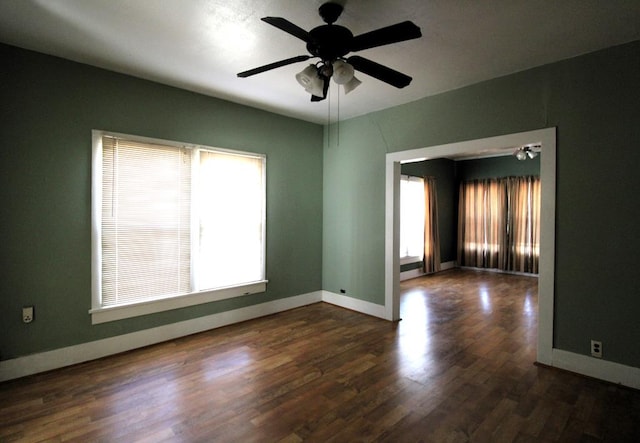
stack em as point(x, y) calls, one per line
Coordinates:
point(331, 43)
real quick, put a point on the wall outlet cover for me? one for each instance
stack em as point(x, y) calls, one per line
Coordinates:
point(596, 348)
point(27, 314)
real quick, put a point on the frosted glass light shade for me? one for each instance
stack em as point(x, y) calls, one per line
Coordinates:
point(308, 78)
point(342, 72)
point(351, 85)
point(520, 154)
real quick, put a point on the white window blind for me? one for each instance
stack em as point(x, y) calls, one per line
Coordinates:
point(177, 220)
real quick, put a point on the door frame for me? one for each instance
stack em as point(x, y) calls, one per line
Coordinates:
point(509, 142)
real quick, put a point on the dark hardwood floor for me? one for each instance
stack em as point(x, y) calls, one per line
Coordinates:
point(459, 367)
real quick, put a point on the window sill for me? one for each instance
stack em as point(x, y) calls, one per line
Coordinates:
point(408, 260)
point(104, 315)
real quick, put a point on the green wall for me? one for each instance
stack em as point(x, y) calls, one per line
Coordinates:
point(49, 108)
point(496, 167)
point(593, 100)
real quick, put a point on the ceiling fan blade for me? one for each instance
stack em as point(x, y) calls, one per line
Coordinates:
point(382, 73)
point(384, 36)
point(250, 72)
point(287, 26)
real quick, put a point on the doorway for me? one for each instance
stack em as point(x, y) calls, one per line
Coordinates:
point(547, 139)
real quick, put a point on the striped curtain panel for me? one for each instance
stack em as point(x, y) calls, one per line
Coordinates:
point(482, 223)
point(499, 224)
point(431, 260)
point(524, 224)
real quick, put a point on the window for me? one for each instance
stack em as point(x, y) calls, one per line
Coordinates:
point(173, 225)
point(412, 214)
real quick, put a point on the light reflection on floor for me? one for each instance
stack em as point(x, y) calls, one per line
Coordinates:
point(485, 299)
point(148, 393)
point(234, 360)
point(438, 313)
point(413, 334)
point(528, 308)
point(530, 315)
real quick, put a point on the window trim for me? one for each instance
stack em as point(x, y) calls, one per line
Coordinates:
point(100, 314)
point(112, 313)
point(409, 259)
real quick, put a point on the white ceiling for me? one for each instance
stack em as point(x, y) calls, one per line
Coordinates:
point(201, 45)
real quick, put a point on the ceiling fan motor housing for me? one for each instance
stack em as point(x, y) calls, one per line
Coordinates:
point(330, 42)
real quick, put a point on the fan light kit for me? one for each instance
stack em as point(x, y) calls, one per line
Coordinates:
point(527, 151)
point(331, 43)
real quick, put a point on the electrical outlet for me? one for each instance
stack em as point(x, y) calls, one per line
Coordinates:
point(27, 314)
point(596, 348)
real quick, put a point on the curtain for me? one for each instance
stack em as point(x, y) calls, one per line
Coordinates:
point(499, 224)
point(431, 260)
point(481, 223)
point(524, 224)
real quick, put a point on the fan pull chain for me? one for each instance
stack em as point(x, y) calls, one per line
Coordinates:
point(329, 119)
point(338, 121)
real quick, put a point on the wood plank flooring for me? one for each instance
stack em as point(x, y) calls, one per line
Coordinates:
point(457, 368)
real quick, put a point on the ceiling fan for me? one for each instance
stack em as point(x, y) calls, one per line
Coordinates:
point(331, 43)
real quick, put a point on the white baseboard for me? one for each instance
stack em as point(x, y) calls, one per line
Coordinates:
point(413, 273)
point(58, 358)
point(354, 304)
point(596, 368)
point(448, 265)
point(500, 271)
